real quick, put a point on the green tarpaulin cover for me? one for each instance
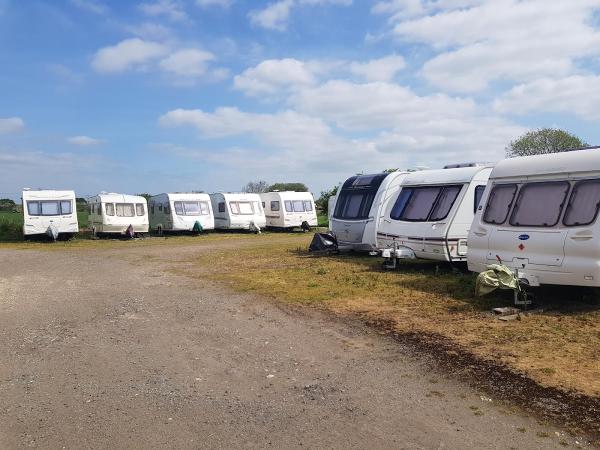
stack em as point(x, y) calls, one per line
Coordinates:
point(498, 276)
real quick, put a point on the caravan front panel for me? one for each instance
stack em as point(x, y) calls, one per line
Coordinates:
point(49, 212)
point(358, 206)
point(432, 213)
point(539, 217)
point(289, 209)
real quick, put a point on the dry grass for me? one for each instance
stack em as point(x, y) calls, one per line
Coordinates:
point(560, 347)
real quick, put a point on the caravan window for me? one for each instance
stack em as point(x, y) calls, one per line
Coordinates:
point(354, 205)
point(275, 205)
point(152, 207)
point(221, 206)
point(191, 208)
point(49, 208)
point(65, 207)
point(308, 205)
point(539, 204)
point(125, 210)
point(139, 209)
point(584, 203)
point(499, 203)
point(110, 209)
point(244, 208)
point(288, 206)
point(478, 194)
point(298, 205)
point(167, 208)
point(419, 203)
point(33, 208)
point(257, 208)
point(444, 202)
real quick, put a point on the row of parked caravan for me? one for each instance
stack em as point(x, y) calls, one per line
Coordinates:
point(54, 213)
point(536, 215)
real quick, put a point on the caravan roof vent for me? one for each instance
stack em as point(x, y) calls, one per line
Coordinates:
point(468, 164)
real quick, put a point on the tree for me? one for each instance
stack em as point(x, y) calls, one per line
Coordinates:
point(389, 170)
point(256, 187)
point(322, 203)
point(297, 187)
point(542, 141)
point(145, 195)
point(6, 204)
point(80, 204)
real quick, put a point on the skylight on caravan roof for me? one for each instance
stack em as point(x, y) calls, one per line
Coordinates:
point(363, 180)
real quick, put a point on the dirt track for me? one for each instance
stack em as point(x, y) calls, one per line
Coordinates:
point(108, 348)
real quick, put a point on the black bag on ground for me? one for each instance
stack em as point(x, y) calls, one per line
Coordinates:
point(324, 242)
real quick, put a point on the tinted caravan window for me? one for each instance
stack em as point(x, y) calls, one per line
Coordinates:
point(444, 202)
point(275, 205)
point(499, 203)
point(539, 204)
point(478, 194)
point(583, 204)
point(308, 205)
point(356, 196)
point(419, 203)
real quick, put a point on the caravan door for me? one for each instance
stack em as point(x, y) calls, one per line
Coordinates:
point(530, 232)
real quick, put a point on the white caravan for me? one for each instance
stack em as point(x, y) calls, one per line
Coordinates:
point(49, 212)
point(288, 209)
point(114, 213)
point(359, 204)
point(538, 217)
point(430, 216)
point(238, 211)
point(181, 212)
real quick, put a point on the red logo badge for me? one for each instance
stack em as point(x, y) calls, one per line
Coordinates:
point(521, 247)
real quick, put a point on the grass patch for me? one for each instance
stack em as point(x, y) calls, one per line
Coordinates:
point(421, 297)
point(11, 225)
point(323, 220)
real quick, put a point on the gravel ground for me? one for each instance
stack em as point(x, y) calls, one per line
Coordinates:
point(109, 348)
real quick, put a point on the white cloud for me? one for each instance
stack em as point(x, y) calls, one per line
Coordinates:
point(272, 75)
point(92, 6)
point(84, 141)
point(220, 3)
point(187, 62)
point(480, 42)
point(127, 54)
point(577, 95)
point(275, 16)
point(382, 69)
point(149, 30)
point(363, 127)
point(11, 125)
point(171, 9)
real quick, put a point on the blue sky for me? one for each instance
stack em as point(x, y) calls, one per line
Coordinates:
point(163, 95)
